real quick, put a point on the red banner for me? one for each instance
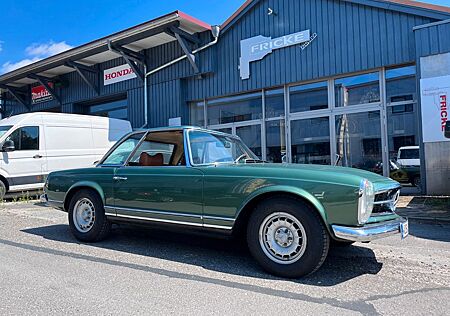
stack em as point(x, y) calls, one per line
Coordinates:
point(40, 94)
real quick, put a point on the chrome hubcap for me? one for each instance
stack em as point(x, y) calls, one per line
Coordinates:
point(282, 238)
point(84, 215)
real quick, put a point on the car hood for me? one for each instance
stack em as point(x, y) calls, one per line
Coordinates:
point(323, 173)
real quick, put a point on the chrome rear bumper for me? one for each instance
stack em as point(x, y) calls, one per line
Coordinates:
point(369, 232)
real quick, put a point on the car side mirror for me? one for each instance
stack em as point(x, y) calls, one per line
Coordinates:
point(96, 162)
point(8, 145)
point(447, 130)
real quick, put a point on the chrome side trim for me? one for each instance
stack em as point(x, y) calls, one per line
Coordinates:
point(227, 219)
point(157, 212)
point(217, 226)
point(159, 220)
point(369, 232)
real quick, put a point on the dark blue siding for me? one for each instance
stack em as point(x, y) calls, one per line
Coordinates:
point(351, 37)
point(434, 39)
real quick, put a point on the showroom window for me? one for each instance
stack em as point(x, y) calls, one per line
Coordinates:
point(359, 89)
point(358, 141)
point(233, 109)
point(276, 141)
point(310, 142)
point(274, 103)
point(114, 109)
point(308, 97)
point(197, 113)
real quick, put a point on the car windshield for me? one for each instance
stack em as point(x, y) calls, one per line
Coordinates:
point(4, 129)
point(211, 148)
point(409, 154)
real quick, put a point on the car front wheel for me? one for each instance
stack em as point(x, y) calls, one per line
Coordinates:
point(87, 220)
point(287, 237)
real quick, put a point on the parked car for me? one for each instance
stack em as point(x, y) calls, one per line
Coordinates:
point(289, 213)
point(34, 144)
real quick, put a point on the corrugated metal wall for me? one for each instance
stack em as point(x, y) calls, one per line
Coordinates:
point(350, 38)
point(434, 39)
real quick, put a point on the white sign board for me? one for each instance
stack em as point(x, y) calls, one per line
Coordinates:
point(257, 47)
point(118, 74)
point(435, 96)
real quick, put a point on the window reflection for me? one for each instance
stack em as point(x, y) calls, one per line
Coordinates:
point(360, 89)
point(358, 140)
point(276, 141)
point(235, 109)
point(251, 136)
point(311, 141)
point(196, 114)
point(401, 84)
point(274, 103)
point(308, 97)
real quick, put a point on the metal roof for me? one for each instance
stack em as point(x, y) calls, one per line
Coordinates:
point(137, 38)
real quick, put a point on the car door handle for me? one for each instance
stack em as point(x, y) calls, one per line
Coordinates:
point(37, 156)
point(119, 178)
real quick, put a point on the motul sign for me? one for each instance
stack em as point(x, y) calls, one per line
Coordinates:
point(40, 94)
point(118, 74)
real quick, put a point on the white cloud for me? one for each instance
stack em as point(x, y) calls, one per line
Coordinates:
point(47, 49)
point(1, 46)
point(36, 52)
point(10, 66)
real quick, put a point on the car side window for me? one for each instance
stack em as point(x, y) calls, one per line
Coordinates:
point(164, 148)
point(25, 138)
point(121, 153)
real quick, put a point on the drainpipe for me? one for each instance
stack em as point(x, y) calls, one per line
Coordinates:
point(215, 30)
point(145, 98)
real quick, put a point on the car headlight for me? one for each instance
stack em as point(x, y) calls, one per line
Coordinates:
point(365, 202)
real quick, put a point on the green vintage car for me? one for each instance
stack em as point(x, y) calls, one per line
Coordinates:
point(191, 177)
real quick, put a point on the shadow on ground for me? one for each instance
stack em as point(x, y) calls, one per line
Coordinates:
point(226, 256)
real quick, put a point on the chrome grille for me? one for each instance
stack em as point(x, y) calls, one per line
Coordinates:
point(386, 201)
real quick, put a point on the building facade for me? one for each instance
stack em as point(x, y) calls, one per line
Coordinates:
point(314, 81)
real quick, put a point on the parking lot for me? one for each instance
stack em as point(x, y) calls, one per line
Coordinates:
point(45, 270)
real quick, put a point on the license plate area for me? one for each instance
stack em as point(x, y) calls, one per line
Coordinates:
point(404, 229)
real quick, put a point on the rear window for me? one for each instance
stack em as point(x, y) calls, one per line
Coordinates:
point(409, 154)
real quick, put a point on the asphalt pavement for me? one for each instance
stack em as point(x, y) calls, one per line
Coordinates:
point(44, 270)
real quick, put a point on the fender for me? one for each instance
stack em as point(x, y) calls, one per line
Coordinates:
point(89, 184)
point(287, 189)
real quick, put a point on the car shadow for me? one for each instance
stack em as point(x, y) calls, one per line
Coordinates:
point(222, 255)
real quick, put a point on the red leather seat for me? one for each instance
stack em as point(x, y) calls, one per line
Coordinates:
point(148, 160)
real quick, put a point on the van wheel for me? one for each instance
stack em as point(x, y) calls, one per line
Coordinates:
point(87, 219)
point(2, 190)
point(287, 237)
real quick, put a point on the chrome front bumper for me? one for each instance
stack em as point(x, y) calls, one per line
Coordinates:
point(369, 232)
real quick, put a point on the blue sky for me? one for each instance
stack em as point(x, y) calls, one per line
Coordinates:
point(32, 30)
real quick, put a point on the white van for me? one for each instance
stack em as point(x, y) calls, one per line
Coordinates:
point(408, 156)
point(35, 144)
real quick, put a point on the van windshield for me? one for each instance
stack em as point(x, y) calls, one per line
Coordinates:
point(409, 154)
point(4, 129)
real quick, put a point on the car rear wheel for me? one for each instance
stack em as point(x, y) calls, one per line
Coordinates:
point(287, 237)
point(87, 220)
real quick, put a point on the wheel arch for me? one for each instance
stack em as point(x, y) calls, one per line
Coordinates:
point(250, 203)
point(89, 185)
